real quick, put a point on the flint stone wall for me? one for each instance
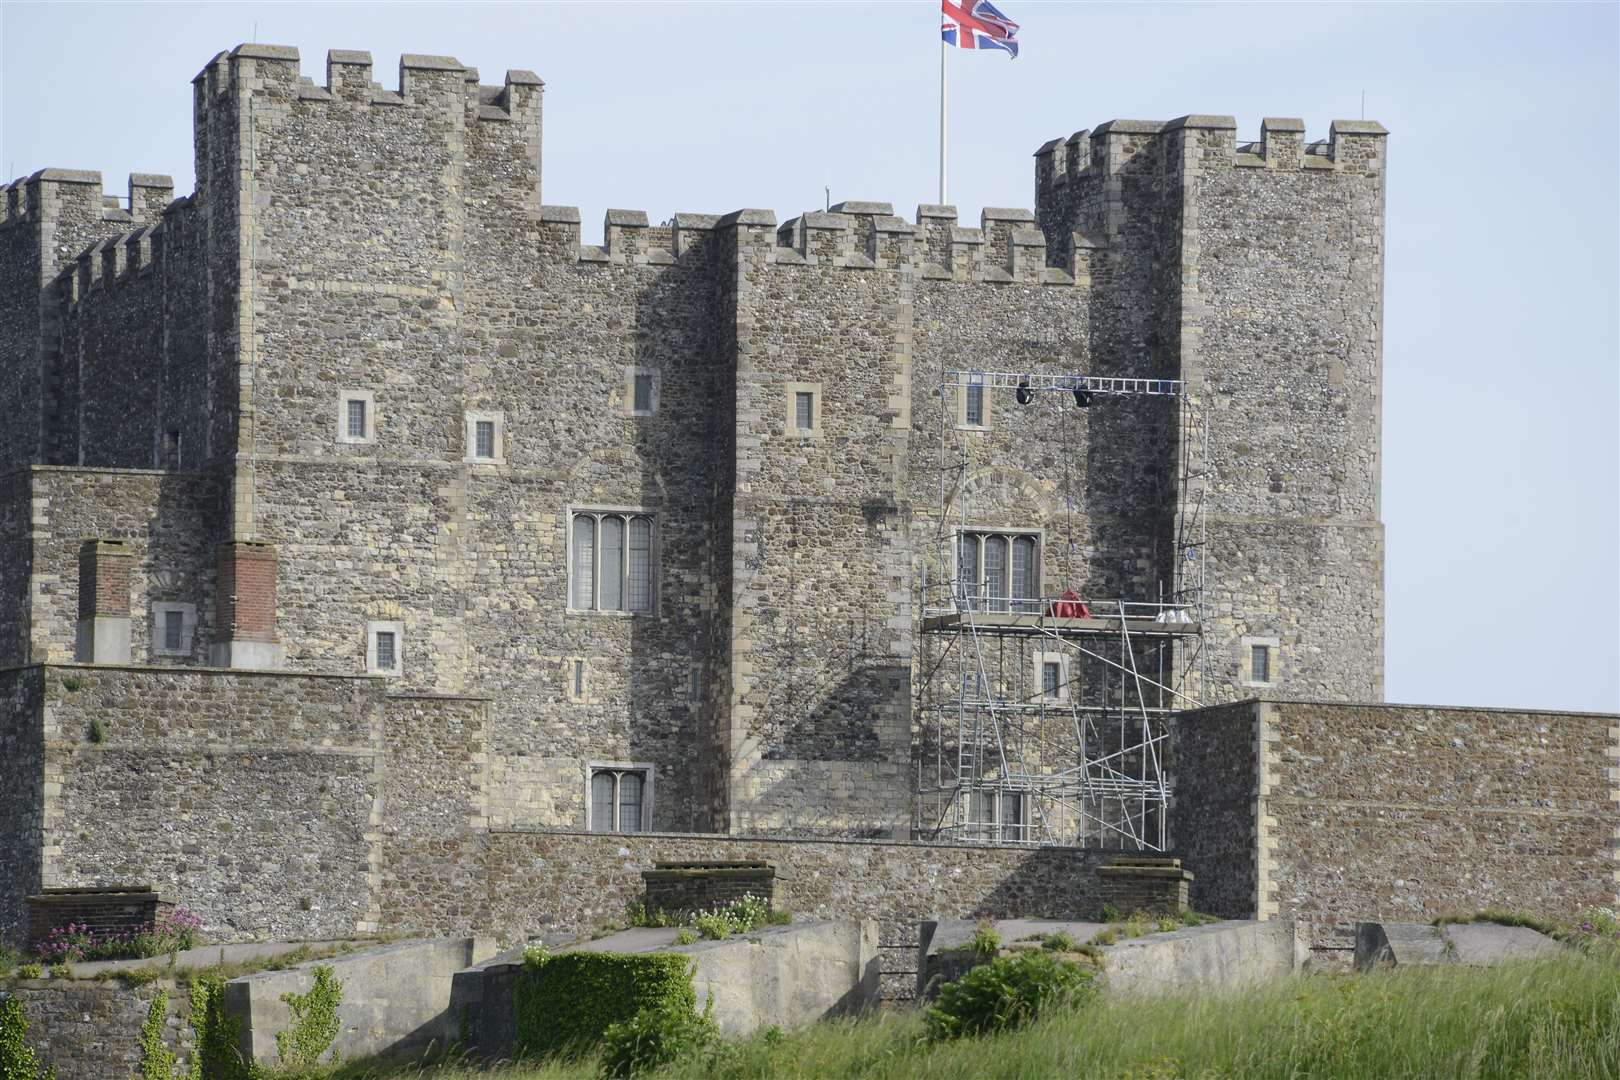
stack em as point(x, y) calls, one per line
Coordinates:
point(88, 1030)
point(270, 804)
point(1404, 812)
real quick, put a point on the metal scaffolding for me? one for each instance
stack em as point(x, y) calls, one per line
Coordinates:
point(1058, 703)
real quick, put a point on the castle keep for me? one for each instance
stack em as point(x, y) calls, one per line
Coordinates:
point(393, 538)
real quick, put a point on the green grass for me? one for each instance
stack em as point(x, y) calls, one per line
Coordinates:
point(1550, 1018)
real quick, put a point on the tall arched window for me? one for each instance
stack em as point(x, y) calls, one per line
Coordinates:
point(621, 798)
point(613, 563)
point(998, 571)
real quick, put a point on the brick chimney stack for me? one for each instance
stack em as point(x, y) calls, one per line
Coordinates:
point(247, 607)
point(104, 572)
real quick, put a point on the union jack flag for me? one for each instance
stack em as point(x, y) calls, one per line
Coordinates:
point(976, 24)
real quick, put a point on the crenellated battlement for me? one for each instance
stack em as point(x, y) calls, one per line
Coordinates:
point(423, 80)
point(1004, 248)
point(1119, 145)
point(49, 193)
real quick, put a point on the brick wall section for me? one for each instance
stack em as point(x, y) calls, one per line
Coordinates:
point(90, 1030)
point(104, 576)
point(247, 591)
point(1213, 819)
point(685, 887)
point(107, 910)
point(1408, 812)
point(1156, 886)
point(22, 796)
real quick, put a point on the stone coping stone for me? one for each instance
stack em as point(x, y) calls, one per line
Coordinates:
point(1168, 872)
point(1483, 943)
point(208, 955)
point(954, 933)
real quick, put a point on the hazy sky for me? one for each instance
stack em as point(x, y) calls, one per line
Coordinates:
point(1501, 352)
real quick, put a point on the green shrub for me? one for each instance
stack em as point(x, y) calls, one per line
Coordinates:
point(750, 912)
point(564, 1003)
point(157, 1060)
point(1006, 993)
point(30, 971)
point(685, 937)
point(315, 1023)
point(638, 915)
point(713, 925)
point(1110, 913)
point(98, 733)
point(985, 941)
point(17, 1060)
point(656, 1036)
point(1060, 942)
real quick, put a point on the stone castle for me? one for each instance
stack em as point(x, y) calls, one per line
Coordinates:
point(367, 541)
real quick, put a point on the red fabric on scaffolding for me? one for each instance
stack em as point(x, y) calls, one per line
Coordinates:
point(1069, 606)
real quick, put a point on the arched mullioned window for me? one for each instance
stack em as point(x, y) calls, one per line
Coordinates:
point(612, 564)
point(998, 571)
point(621, 798)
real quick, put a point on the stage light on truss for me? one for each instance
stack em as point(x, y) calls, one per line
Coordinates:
point(1082, 397)
point(1024, 394)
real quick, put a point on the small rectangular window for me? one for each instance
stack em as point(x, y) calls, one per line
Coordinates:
point(1051, 678)
point(484, 439)
point(174, 623)
point(804, 410)
point(643, 393)
point(171, 449)
point(1260, 663)
point(386, 658)
point(975, 406)
point(694, 685)
point(578, 676)
point(357, 418)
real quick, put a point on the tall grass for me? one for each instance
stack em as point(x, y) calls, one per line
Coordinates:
point(1549, 1018)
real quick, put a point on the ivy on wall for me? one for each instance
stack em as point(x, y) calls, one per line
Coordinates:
point(565, 1003)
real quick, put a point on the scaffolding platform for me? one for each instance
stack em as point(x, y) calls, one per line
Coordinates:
point(1005, 622)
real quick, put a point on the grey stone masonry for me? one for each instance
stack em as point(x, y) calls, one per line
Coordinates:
point(669, 502)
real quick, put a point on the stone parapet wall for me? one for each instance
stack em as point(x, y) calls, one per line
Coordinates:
point(548, 881)
point(1405, 812)
point(22, 797)
point(270, 804)
point(90, 1030)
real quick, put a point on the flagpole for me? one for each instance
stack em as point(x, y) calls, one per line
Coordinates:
point(943, 47)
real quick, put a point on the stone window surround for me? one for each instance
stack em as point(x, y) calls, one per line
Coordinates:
point(498, 418)
point(792, 429)
point(657, 392)
point(654, 558)
point(961, 410)
point(188, 627)
point(1040, 660)
point(346, 396)
point(1011, 532)
point(1245, 660)
point(648, 779)
point(582, 695)
point(398, 630)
